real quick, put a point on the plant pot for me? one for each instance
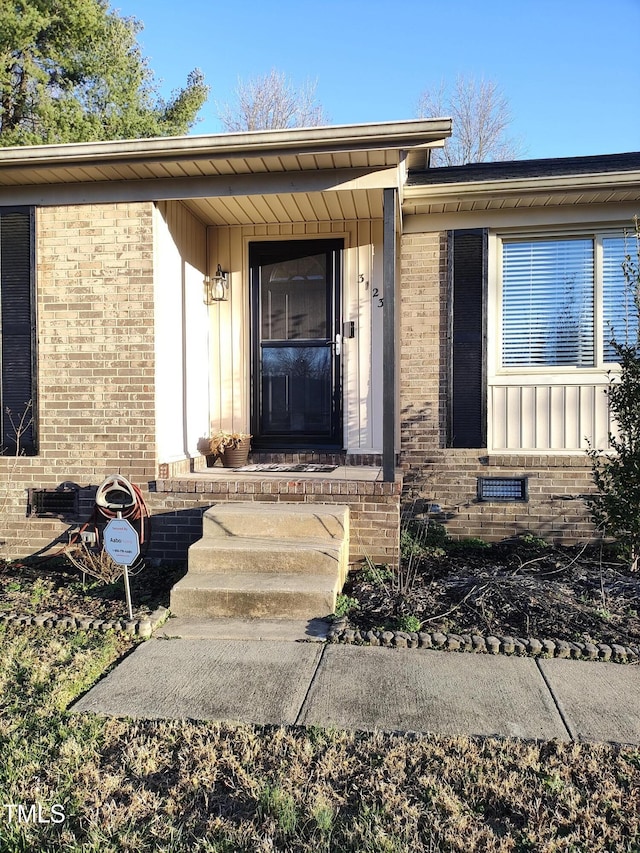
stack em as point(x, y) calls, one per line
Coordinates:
point(236, 457)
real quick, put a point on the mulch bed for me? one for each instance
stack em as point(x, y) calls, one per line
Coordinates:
point(520, 589)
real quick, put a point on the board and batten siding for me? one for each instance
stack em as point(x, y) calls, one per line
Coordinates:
point(361, 356)
point(181, 332)
point(530, 415)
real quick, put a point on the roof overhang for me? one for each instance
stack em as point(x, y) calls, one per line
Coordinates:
point(544, 191)
point(262, 176)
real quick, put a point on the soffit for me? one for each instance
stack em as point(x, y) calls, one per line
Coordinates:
point(522, 194)
point(366, 146)
point(313, 174)
point(287, 207)
point(194, 168)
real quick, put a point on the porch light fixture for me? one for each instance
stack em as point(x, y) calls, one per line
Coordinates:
point(216, 289)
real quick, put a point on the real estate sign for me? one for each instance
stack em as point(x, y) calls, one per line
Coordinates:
point(121, 542)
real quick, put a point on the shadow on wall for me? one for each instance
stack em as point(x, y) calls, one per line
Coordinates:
point(171, 531)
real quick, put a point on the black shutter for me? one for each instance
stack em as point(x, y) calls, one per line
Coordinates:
point(467, 284)
point(17, 392)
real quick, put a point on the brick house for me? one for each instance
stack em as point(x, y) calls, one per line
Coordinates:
point(432, 334)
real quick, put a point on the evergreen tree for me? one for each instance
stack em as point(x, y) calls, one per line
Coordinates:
point(72, 71)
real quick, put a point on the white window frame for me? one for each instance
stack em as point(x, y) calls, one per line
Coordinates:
point(495, 331)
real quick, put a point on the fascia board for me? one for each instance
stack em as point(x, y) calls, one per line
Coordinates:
point(522, 186)
point(389, 135)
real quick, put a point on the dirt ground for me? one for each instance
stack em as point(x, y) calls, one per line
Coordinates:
point(30, 588)
point(524, 589)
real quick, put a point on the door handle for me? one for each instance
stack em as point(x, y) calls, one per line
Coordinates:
point(336, 344)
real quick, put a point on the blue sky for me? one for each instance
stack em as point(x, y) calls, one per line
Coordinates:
point(568, 67)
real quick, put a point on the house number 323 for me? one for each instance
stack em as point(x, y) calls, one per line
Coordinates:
point(375, 294)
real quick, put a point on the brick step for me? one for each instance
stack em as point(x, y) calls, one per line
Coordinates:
point(254, 595)
point(281, 521)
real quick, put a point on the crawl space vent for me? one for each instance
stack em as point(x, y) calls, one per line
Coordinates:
point(505, 489)
point(52, 503)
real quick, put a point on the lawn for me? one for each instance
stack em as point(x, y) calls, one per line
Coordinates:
point(119, 785)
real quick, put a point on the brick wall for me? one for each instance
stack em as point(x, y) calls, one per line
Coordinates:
point(177, 506)
point(448, 477)
point(95, 354)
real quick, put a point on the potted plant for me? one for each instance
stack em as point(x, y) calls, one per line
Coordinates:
point(231, 447)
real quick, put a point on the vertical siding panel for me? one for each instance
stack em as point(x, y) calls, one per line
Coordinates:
point(362, 318)
point(375, 409)
point(239, 326)
point(215, 386)
point(543, 426)
point(513, 403)
point(604, 423)
point(498, 417)
point(528, 418)
point(571, 417)
point(588, 405)
point(557, 416)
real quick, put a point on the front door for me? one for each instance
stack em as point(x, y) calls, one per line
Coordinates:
point(295, 293)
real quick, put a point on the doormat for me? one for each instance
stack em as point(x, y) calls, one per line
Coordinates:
point(284, 467)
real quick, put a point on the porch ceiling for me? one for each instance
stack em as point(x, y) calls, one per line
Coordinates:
point(266, 209)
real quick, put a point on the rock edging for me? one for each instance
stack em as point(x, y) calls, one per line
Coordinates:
point(143, 626)
point(342, 632)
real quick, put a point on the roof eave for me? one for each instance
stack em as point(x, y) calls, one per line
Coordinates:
point(385, 135)
point(522, 186)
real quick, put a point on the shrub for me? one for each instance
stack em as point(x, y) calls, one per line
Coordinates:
point(615, 507)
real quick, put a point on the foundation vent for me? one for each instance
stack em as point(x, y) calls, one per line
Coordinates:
point(52, 503)
point(503, 489)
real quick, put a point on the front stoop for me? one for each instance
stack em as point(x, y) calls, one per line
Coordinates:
point(260, 560)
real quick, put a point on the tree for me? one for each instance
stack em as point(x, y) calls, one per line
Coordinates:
point(272, 101)
point(615, 507)
point(72, 71)
point(481, 116)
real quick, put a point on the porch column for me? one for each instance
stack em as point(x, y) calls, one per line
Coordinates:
point(389, 336)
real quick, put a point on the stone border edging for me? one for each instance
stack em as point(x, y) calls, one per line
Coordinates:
point(141, 627)
point(341, 632)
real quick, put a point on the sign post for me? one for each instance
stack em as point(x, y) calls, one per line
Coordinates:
point(122, 544)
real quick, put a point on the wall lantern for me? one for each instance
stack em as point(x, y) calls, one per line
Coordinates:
point(216, 289)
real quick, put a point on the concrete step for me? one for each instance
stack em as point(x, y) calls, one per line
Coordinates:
point(258, 560)
point(283, 521)
point(255, 595)
point(244, 555)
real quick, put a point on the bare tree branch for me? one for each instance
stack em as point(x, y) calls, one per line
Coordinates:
point(272, 101)
point(481, 117)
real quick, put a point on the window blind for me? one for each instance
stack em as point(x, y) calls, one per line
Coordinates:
point(620, 319)
point(547, 303)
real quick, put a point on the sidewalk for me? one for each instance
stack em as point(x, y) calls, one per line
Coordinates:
point(283, 682)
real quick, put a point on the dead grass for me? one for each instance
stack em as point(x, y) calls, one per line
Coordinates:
point(202, 787)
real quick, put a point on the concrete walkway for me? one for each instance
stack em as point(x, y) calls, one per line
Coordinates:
point(273, 680)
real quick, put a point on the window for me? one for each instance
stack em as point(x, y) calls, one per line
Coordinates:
point(556, 294)
point(620, 320)
point(17, 331)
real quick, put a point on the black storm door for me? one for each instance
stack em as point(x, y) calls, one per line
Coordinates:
point(295, 293)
